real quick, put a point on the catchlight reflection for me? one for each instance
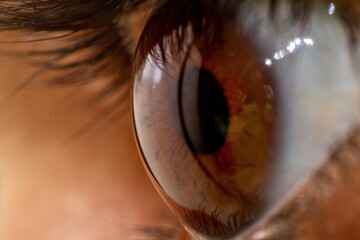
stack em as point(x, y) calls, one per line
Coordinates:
point(331, 9)
point(290, 48)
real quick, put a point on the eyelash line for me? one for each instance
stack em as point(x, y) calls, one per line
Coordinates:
point(61, 15)
point(74, 17)
point(158, 232)
point(206, 24)
point(61, 81)
point(108, 57)
point(165, 228)
point(41, 39)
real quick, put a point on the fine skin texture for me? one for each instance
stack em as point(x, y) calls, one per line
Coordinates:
point(56, 186)
point(57, 183)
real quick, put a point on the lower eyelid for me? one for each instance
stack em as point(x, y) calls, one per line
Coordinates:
point(161, 228)
point(298, 217)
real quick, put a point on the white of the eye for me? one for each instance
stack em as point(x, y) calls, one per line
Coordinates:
point(321, 94)
point(291, 48)
point(319, 90)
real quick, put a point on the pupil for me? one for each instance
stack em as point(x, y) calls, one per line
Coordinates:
point(213, 113)
point(205, 114)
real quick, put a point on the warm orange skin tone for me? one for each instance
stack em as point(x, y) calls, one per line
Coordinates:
point(96, 187)
point(340, 215)
point(88, 189)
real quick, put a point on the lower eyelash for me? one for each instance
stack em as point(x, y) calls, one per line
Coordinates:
point(165, 229)
point(158, 233)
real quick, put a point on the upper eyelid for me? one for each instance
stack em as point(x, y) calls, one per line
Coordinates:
point(299, 10)
point(10, 16)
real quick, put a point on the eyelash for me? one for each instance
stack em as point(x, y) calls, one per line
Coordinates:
point(92, 27)
point(95, 15)
point(158, 232)
point(105, 40)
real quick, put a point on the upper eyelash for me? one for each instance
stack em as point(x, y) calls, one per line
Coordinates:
point(207, 23)
point(61, 15)
point(90, 27)
point(14, 16)
point(87, 25)
point(206, 19)
point(106, 57)
point(95, 15)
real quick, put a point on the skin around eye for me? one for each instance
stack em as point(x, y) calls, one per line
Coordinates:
point(97, 189)
point(55, 186)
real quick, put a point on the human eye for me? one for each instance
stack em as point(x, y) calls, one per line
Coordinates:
point(238, 105)
point(301, 103)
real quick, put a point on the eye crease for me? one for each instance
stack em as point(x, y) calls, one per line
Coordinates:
point(173, 33)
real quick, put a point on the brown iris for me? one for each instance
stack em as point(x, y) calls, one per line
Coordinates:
point(204, 127)
point(233, 122)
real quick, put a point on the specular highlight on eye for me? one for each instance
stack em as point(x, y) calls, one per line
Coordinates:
point(219, 191)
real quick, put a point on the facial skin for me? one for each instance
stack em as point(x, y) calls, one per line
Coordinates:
point(56, 187)
point(94, 186)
